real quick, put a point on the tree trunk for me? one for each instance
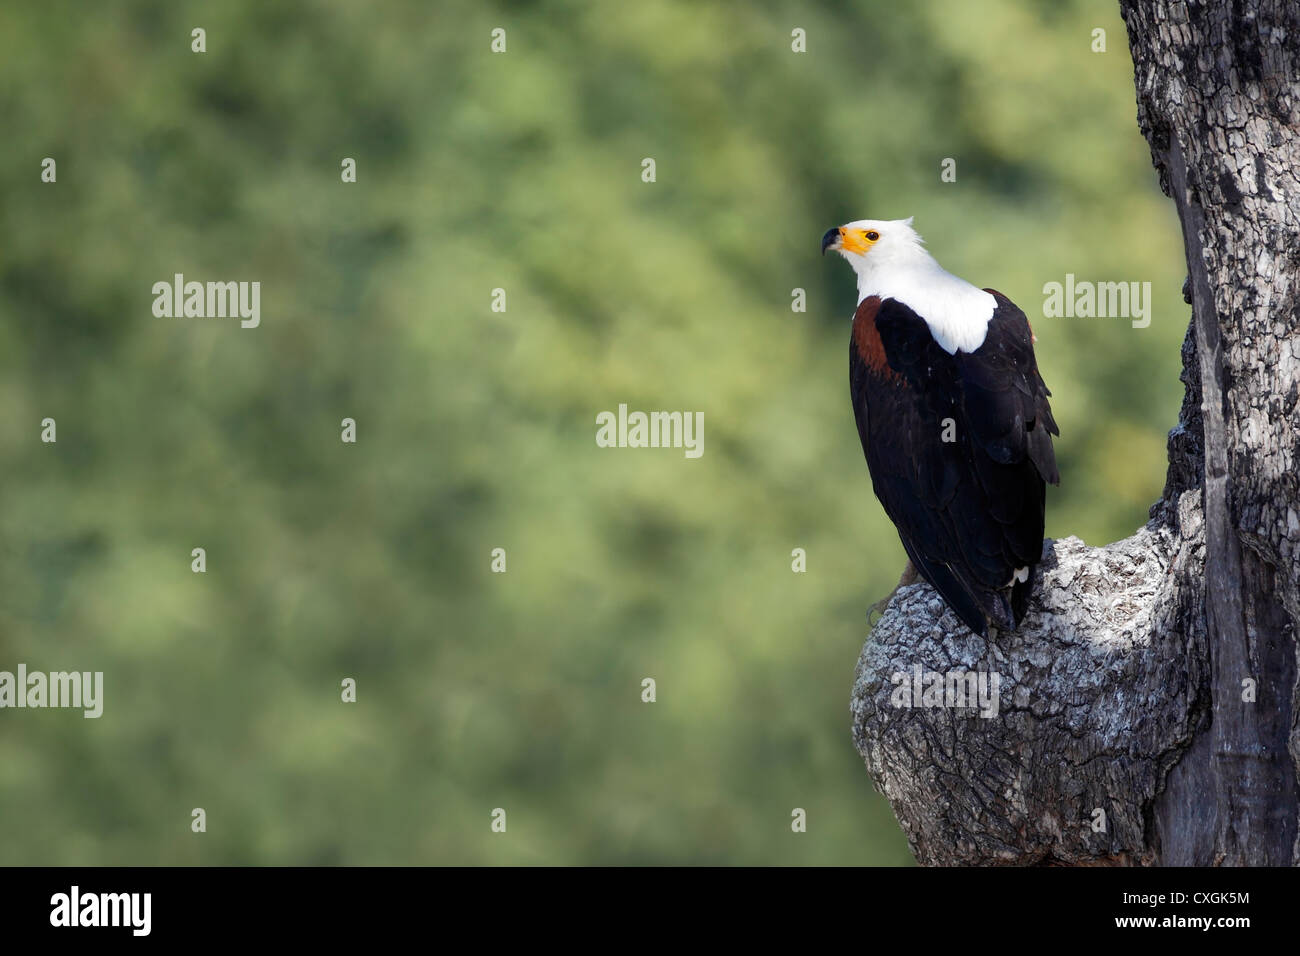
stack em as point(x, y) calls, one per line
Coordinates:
point(1146, 708)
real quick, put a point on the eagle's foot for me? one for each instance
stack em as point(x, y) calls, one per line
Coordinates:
point(909, 576)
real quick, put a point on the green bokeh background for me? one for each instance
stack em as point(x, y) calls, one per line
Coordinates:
point(476, 429)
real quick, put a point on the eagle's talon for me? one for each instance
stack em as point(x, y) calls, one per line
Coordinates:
point(909, 576)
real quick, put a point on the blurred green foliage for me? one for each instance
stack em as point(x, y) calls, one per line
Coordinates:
point(476, 429)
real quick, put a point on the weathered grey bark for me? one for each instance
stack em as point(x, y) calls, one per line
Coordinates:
point(1125, 732)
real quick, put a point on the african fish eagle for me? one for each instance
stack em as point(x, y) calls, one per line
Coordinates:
point(953, 418)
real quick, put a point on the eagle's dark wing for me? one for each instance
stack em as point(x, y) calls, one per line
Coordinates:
point(958, 449)
point(1005, 397)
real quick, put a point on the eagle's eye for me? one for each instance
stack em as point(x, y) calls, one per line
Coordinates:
point(873, 235)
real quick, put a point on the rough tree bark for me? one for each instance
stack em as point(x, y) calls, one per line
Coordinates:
point(1126, 732)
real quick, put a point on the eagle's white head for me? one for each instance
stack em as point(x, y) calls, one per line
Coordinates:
point(891, 261)
point(871, 245)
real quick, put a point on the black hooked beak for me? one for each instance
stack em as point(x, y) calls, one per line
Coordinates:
point(832, 236)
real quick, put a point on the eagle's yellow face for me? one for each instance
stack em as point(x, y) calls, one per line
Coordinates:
point(851, 238)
